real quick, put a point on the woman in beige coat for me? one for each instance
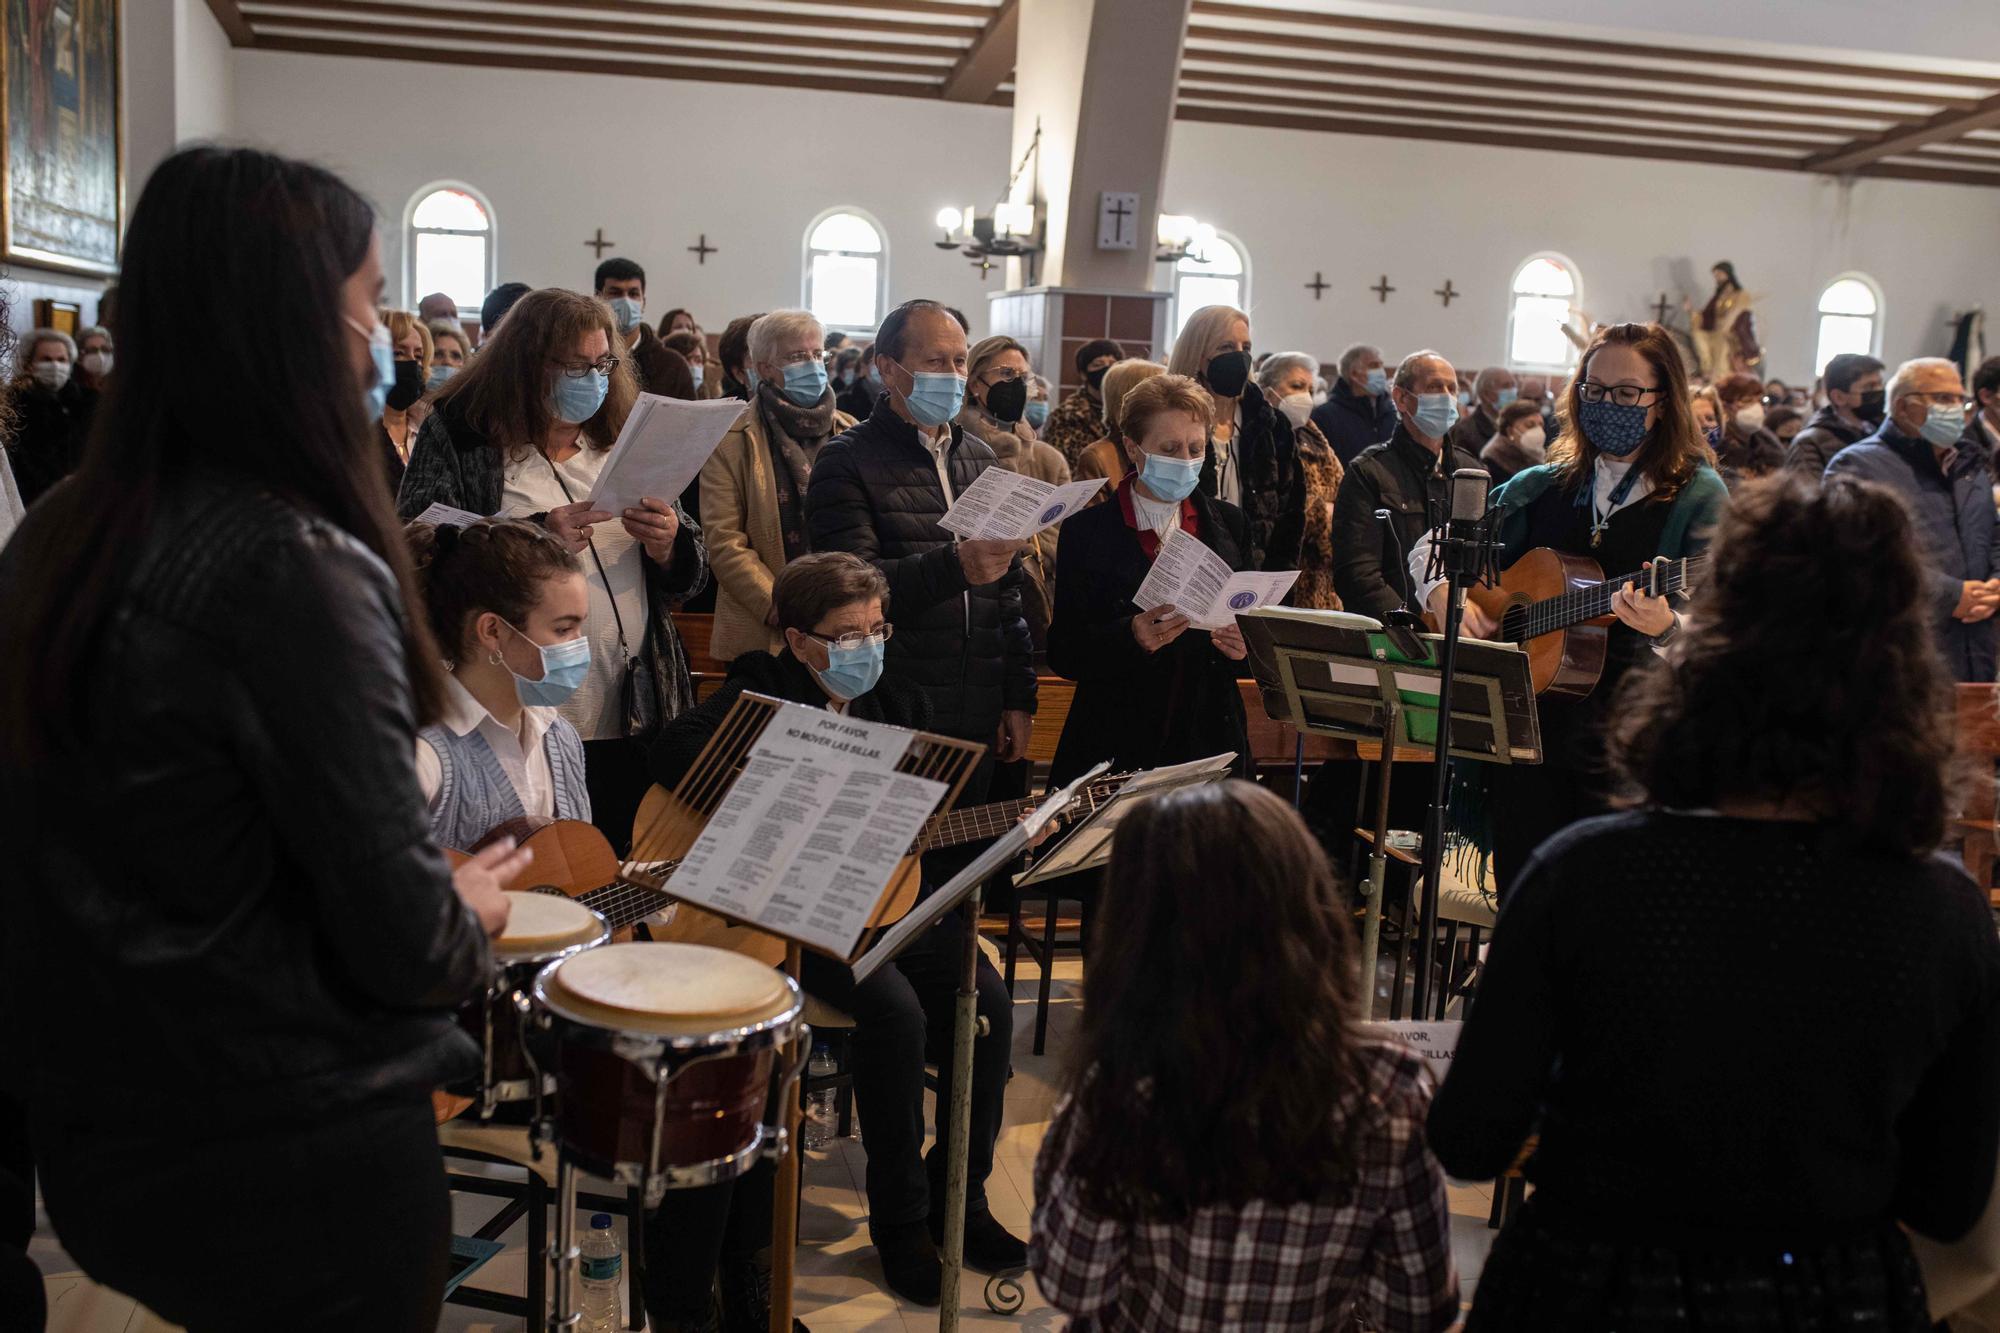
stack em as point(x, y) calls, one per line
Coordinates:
point(996, 403)
point(753, 488)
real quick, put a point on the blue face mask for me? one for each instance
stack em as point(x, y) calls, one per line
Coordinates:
point(576, 400)
point(382, 351)
point(1378, 382)
point(852, 672)
point(564, 665)
point(805, 382)
point(439, 374)
point(1612, 429)
point(1505, 396)
point(1435, 414)
point(695, 371)
point(626, 312)
point(935, 397)
point(1172, 479)
point(1465, 398)
point(1038, 413)
point(1943, 426)
point(875, 377)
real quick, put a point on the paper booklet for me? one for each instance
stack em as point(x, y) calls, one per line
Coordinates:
point(445, 516)
point(661, 449)
point(1198, 583)
point(1005, 506)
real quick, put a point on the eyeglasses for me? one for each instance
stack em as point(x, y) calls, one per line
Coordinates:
point(856, 638)
point(1625, 395)
point(801, 358)
point(576, 370)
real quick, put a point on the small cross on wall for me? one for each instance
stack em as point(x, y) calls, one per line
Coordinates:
point(701, 250)
point(1447, 293)
point(599, 244)
point(1382, 290)
point(1660, 309)
point(1318, 285)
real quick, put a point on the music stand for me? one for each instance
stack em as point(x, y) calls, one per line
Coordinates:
point(1087, 845)
point(1343, 675)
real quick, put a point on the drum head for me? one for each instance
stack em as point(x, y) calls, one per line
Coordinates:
point(542, 923)
point(673, 989)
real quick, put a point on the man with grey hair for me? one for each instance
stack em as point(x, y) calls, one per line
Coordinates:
point(1402, 477)
point(1357, 412)
point(1493, 390)
point(1919, 453)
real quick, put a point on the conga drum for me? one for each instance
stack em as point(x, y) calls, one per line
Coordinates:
point(668, 1061)
point(542, 928)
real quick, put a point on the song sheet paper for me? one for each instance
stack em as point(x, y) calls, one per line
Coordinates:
point(1005, 506)
point(1198, 583)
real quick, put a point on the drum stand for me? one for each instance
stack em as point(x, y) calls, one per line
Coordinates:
point(565, 1312)
point(964, 1031)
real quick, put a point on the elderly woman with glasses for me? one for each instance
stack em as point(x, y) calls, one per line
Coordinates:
point(1629, 480)
point(524, 430)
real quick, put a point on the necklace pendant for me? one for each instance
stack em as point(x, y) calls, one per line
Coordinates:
point(1596, 538)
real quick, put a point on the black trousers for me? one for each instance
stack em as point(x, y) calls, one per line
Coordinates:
point(614, 772)
point(333, 1227)
point(693, 1233)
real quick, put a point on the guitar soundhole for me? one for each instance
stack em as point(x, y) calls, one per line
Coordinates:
point(1513, 624)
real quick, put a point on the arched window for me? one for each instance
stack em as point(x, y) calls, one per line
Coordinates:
point(448, 246)
point(846, 270)
point(1850, 318)
point(1540, 302)
point(1216, 272)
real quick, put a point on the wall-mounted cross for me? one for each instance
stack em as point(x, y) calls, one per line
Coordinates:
point(1317, 285)
point(1119, 211)
point(1447, 293)
point(1660, 309)
point(1382, 290)
point(599, 244)
point(702, 250)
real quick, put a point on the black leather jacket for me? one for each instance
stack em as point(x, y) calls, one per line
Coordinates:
point(1369, 571)
point(226, 911)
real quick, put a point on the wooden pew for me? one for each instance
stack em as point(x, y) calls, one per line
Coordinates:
point(1978, 747)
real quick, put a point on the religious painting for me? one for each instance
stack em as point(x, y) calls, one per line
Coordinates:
point(63, 157)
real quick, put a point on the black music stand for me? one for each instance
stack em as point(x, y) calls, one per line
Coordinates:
point(1341, 674)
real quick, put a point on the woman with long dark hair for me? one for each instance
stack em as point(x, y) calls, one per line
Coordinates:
point(524, 431)
point(1233, 1151)
point(1756, 1022)
point(232, 949)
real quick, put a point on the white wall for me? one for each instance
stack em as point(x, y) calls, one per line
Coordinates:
point(654, 163)
point(204, 90)
point(1356, 208)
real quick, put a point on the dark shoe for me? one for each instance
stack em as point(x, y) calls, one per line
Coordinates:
point(745, 1281)
point(989, 1247)
point(910, 1263)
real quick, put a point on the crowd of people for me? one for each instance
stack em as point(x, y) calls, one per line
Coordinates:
point(279, 685)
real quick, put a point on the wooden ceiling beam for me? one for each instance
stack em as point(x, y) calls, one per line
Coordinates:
point(989, 61)
point(838, 23)
point(234, 26)
point(1908, 138)
point(1545, 42)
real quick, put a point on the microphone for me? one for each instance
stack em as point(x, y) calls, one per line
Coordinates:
point(1462, 544)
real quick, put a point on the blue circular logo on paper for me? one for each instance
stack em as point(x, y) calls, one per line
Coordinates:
point(1051, 514)
point(1242, 600)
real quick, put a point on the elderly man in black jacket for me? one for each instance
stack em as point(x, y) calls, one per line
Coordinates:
point(1357, 412)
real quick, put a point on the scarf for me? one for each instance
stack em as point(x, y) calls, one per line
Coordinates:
point(795, 434)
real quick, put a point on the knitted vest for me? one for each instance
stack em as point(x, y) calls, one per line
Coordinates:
point(475, 794)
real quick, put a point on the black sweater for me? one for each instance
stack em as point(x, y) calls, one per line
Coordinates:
point(1732, 1028)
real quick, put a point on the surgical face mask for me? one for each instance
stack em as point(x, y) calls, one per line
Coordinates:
point(695, 371)
point(1612, 428)
point(51, 374)
point(1007, 400)
point(1750, 419)
point(1534, 440)
point(1943, 426)
point(1505, 397)
point(97, 363)
point(1227, 373)
point(1464, 398)
point(1038, 413)
point(381, 350)
point(1435, 414)
point(875, 376)
point(805, 382)
point(1171, 479)
point(439, 374)
point(576, 400)
point(1298, 408)
point(626, 312)
point(1378, 382)
point(1873, 403)
point(935, 397)
point(852, 672)
point(564, 665)
point(847, 377)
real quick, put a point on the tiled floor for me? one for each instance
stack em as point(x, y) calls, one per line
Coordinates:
point(838, 1284)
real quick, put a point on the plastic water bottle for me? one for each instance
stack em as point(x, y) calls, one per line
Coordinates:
point(602, 1267)
point(821, 1117)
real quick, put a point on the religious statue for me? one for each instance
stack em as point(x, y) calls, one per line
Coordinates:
point(1725, 333)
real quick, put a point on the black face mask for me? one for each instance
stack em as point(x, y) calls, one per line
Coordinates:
point(734, 387)
point(1872, 403)
point(1095, 378)
point(409, 385)
point(1227, 373)
point(1007, 400)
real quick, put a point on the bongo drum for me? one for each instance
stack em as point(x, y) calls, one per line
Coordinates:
point(668, 1061)
point(542, 928)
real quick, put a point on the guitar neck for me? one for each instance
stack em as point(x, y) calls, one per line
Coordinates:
point(1593, 601)
point(624, 903)
point(972, 824)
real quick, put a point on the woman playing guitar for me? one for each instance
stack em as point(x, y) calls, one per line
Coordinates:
point(1629, 479)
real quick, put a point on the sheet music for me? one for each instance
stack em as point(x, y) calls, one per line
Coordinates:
point(810, 834)
point(444, 516)
point(1005, 506)
point(1090, 844)
point(1198, 583)
point(661, 449)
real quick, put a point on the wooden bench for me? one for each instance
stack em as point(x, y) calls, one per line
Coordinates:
point(1977, 741)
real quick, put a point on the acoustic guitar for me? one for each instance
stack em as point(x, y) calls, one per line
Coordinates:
point(1558, 607)
point(573, 859)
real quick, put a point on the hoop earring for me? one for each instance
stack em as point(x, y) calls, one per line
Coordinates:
point(494, 659)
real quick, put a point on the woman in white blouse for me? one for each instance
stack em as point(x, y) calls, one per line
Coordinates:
point(523, 431)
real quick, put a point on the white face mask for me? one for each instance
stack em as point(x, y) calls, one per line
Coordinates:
point(1750, 418)
point(50, 374)
point(1533, 441)
point(97, 363)
point(1298, 408)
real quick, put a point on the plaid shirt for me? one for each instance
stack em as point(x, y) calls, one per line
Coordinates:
point(1385, 1249)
